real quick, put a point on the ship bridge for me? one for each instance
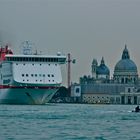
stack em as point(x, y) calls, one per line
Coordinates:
point(36, 58)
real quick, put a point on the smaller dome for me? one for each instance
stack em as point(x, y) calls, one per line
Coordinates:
point(102, 69)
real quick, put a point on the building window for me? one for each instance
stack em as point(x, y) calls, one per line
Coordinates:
point(134, 80)
point(129, 100)
point(77, 90)
point(122, 80)
point(126, 80)
point(129, 90)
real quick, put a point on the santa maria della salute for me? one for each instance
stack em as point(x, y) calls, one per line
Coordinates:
point(123, 88)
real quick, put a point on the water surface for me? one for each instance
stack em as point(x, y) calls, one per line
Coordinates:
point(69, 122)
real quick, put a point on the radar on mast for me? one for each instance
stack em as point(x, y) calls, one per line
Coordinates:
point(26, 48)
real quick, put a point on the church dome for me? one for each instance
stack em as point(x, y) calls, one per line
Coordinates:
point(125, 64)
point(102, 69)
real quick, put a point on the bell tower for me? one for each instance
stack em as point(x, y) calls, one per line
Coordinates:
point(94, 68)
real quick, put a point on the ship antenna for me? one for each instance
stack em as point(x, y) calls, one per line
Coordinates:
point(26, 47)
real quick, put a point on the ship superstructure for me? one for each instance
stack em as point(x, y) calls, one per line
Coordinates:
point(29, 79)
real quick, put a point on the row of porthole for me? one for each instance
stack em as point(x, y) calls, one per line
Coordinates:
point(38, 80)
point(33, 64)
point(41, 75)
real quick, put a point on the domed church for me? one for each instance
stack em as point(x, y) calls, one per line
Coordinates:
point(123, 88)
point(125, 71)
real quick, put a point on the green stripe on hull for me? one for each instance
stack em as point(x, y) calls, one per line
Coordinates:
point(26, 96)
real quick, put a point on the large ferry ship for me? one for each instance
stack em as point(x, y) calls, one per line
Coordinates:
point(29, 79)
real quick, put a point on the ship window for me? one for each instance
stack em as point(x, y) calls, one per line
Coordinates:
point(23, 80)
point(40, 75)
point(33, 64)
point(40, 59)
point(43, 75)
point(55, 64)
point(43, 59)
point(32, 75)
point(36, 59)
point(53, 80)
point(52, 75)
point(16, 64)
point(27, 80)
point(22, 75)
point(30, 59)
point(27, 59)
point(40, 64)
point(35, 75)
point(49, 64)
point(20, 59)
point(23, 58)
point(40, 80)
point(36, 80)
point(33, 59)
point(48, 75)
point(49, 80)
point(27, 75)
point(48, 59)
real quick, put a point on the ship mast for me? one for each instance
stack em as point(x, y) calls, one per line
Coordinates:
point(69, 69)
point(69, 61)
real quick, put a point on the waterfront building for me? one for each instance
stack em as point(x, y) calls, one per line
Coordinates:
point(123, 88)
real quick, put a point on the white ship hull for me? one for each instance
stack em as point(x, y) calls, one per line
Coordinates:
point(26, 96)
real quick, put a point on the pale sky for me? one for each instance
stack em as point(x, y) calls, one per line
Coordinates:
point(85, 28)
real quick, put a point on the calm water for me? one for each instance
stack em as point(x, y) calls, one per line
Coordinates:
point(69, 122)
